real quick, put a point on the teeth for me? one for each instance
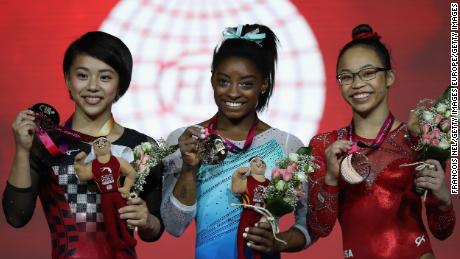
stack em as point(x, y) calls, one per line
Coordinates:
point(233, 104)
point(92, 100)
point(362, 95)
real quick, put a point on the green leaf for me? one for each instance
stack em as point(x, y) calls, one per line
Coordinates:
point(304, 151)
point(445, 95)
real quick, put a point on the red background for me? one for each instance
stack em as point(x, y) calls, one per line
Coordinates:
point(34, 35)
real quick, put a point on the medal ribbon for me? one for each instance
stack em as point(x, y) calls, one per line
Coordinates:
point(381, 136)
point(44, 125)
point(212, 129)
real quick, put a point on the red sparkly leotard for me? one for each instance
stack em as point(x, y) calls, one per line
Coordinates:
point(380, 217)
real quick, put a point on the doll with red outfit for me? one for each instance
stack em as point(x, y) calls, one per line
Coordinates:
point(106, 171)
point(250, 183)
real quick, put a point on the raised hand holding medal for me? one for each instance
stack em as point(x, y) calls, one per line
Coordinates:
point(355, 167)
point(47, 121)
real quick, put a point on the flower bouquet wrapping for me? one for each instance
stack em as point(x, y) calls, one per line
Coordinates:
point(433, 124)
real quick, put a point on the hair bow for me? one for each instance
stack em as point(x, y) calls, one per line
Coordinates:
point(254, 36)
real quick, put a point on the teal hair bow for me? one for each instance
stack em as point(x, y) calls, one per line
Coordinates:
point(255, 36)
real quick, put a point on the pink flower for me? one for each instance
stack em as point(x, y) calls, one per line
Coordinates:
point(292, 167)
point(437, 119)
point(287, 175)
point(436, 133)
point(276, 173)
point(445, 125)
point(425, 128)
point(435, 142)
point(426, 139)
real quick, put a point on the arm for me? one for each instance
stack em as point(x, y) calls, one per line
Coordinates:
point(22, 187)
point(185, 188)
point(130, 177)
point(84, 171)
point(323, 197)
point(239, 180)
point(176, 214)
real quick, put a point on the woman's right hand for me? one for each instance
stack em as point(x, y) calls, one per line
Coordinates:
point(188, 142)
point(24, 130)
point(333, 156)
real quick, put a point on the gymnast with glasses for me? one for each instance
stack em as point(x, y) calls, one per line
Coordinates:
point(379, 213)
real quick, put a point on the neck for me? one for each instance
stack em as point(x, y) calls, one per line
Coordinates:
point(103, 159)
point(259, 178)
point(235, 126)
point(89, 125)
point(367, 125)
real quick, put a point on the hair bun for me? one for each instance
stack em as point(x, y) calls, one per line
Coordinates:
point(364, 31)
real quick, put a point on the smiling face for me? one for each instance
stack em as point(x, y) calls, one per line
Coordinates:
point(93, 85)
point(365, 96)
point(101, 146)
point(257, 166)
point(237, 85)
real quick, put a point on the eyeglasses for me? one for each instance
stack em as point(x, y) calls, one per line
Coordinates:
point(364, 74)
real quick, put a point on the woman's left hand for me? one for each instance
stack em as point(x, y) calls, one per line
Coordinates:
point(434, 180)
point(260, 238)
point(137, 214)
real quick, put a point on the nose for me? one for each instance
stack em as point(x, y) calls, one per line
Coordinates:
point(357, 82)
point(93, 84)
point(233, 91)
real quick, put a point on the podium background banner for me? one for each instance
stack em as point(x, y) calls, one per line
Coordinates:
point(172, 44)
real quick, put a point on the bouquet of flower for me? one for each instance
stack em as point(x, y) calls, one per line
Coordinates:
point(286, 186)
point(434, 122)
point(146, 156)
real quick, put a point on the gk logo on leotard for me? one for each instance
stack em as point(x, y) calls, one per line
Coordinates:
point(348, 253)
point(419, 240)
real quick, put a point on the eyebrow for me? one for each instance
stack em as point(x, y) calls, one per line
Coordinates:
point(365, 66)
point(243, 77)
point(100, 71)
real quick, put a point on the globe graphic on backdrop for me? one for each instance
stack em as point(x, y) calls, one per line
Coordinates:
point(172, 42)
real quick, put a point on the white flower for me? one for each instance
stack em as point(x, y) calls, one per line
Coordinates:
point(294, 157)
point(447, 114)
point(147, 146)
point(441, 108)
point(300, 177)
point(444, 144)
point(280, 185)
point(428, 116)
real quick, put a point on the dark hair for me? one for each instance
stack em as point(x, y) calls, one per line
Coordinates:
point(363, 36)
point(107, 48)
point(264, 55)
